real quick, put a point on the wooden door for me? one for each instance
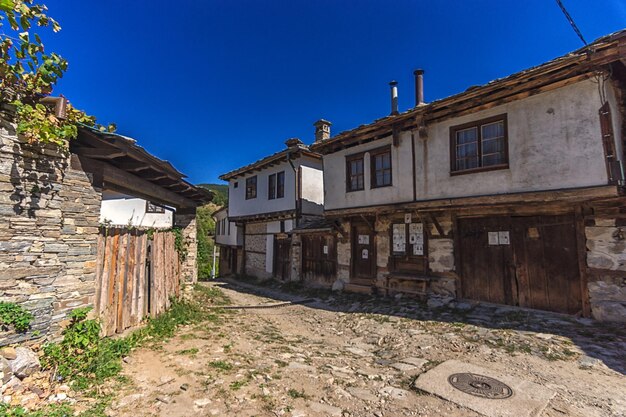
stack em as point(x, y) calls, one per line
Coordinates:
point(485, 268)
point(363, 255)
point(282, 257)
point(319, 258)
point(537, 268)
point(547, 263)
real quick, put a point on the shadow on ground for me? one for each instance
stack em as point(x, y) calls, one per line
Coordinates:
point(529, 331)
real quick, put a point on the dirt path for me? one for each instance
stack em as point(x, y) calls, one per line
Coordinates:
point(308, 360)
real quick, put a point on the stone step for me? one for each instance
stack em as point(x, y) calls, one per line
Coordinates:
point(356, 288)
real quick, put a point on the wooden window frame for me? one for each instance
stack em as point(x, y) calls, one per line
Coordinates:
point(280, 186)
point(249, 188)
point(271, 187)
point(154, 208)
point(477, 124)
point(349, 160)
point(373, 154)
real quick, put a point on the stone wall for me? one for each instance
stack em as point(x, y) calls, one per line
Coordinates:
point(255, 250)
point(343, 256)
point(189, 267)
point(48, 234)
point(606, 255)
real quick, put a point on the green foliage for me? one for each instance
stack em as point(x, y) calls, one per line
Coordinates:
point(28, 73)
point(14, 315)
point(220, 193)
point(205, 225)
point(53, 410)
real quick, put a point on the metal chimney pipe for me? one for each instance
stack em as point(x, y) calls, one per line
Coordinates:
point(394, 97)
point(419, 87)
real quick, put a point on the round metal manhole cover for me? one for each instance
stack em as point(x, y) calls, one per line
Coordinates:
point(480, 386)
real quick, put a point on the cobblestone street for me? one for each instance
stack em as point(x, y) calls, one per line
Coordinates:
point(348, 355)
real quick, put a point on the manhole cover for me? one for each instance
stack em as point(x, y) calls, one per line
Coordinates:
point(480, 386)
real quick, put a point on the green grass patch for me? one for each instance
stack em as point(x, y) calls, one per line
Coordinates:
point(294, 393)
point(221, 365)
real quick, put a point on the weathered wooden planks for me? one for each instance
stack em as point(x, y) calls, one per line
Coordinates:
point(135, 276)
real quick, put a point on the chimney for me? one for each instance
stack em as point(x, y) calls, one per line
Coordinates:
point(322, 130)
point(293, 142)
point(419, 87)
point(394, 97)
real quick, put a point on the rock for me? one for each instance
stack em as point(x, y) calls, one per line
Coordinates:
point(403, 367)
point(326, 409)
point(61, 396)
point(394, 393)
point(38, 391)
point(8, 353)
point(184, 387)
point(463, 305)
point(338, 285)
point(164, 399)
point(362, 394)
point(417, 362)
point(359, 352)
point(587, 362)
point(6, 373)
point(127, 400)
point(434, 303)
point(25, 364)
point(202, 402)
point(544, 336)
point(127, 359)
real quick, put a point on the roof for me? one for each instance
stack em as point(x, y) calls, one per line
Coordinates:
point(573, 67)
point(295, 148)
point(219, 210)
point(125, 154)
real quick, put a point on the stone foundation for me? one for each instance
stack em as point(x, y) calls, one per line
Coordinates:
point(606, 255)
point(255, 250)
point(48, 234)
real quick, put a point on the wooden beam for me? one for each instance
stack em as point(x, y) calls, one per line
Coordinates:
point(134, 166)
point(119, 180)
point(99, 153)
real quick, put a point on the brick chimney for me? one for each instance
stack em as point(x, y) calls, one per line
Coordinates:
point(322, 130)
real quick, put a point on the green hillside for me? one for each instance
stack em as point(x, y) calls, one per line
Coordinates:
point(220, 191)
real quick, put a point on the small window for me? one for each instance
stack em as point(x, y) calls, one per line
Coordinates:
point(280, 184)
point(271, 183)
point(251, 188)
point(236, 184)
point(354, 173)
point(381, 167)
point(154, 208)
point(478, 146)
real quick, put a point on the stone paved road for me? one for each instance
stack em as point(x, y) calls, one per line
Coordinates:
point(314, 360)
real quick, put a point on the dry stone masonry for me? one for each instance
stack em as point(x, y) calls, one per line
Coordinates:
point(48, 233)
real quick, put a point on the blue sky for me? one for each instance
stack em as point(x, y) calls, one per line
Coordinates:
point(213, 85)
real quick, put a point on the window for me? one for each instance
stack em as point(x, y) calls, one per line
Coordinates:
point(236, 184)
point(271, 192)
point(381, 167)
point(280, 184)
point(154, 208)
point(354, 173)
point(479, 146)
point(276, 186)
point(250, 187)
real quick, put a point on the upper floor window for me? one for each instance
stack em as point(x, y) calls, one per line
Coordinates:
point(276, 185)
point(381, 167)
point(480, 145)
point(236, 184)
point(250, 187)
point(355, 173)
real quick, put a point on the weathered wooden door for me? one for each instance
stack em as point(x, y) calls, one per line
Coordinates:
point(282, 257)
point(363, 259)
point(136, 276)
point(546, 262)
point(319, 258)
point(485, 268)
point(534, 265)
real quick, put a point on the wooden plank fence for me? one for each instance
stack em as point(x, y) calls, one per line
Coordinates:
point(136, 276)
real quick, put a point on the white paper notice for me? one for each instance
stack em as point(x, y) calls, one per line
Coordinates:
point(365, 254)
point(418, 249)
point(407, 218)
point(493, 238)
point(503, 238)
point(325, 250)
point(364, 239)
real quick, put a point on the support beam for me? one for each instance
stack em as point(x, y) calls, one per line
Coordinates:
point(99, 153)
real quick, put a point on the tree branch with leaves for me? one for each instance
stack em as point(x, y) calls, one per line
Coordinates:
point(28, 73)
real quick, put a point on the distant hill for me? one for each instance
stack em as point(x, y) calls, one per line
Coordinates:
point(220, 192)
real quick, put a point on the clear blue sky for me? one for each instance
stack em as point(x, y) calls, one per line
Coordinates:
point(213, 85)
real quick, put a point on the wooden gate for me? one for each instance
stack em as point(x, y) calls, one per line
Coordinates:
point(536, 268)
point(136, 276)
point(363, 255)
point(282, 257)
point(319, 258)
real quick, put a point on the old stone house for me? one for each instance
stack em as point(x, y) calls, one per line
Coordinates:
point(509, 193)
point(52, 246)
point(266, 201)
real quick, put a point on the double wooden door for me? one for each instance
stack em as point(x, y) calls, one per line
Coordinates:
point(524, 261)
point(282, 257)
